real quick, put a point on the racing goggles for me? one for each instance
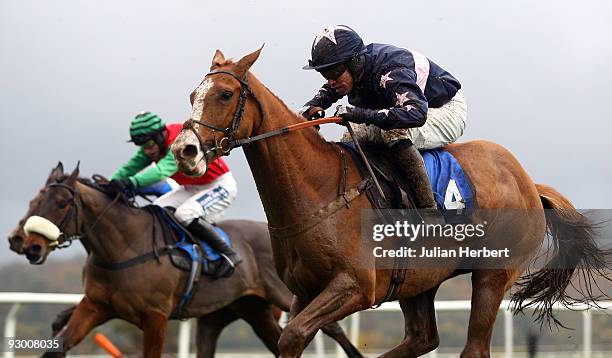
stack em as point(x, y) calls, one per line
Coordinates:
point(332, 72)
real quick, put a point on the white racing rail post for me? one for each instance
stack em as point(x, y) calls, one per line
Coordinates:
point(508, 334)
point(183, 339)
point(355, 329)
point(10, 326)
point(586, 334)
point(319, 345)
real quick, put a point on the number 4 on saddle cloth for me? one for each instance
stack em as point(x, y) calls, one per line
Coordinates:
point(452, 189)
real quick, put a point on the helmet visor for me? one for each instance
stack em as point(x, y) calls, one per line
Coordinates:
point(332, 72)
point(148, 144)
point(141, 139)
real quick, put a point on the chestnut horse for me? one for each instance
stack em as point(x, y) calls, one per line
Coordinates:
point(147, 293)
point(321, 257)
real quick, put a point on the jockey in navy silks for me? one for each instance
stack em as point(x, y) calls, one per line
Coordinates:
point(399, 98)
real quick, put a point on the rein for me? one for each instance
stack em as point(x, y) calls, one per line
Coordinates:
point(229, 142)
point(113, 266)
point(155, 253)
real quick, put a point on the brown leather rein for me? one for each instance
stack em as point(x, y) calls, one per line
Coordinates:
point(229, 142)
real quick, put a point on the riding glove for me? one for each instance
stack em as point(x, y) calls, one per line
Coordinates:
point(121, 185)
point(355, 114)
point(311, 113)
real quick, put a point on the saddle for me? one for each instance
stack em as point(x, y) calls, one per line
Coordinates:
point(188, 249)
point(451, 187)
point(389, 178)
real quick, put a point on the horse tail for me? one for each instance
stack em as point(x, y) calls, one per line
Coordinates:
point(574, 253)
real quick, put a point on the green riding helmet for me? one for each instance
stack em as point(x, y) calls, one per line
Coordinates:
point(146, 126)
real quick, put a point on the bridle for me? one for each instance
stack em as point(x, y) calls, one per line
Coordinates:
point(65, 241)
point(228, 142)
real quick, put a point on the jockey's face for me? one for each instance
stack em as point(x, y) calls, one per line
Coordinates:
point(343, 84)
point(151, 150)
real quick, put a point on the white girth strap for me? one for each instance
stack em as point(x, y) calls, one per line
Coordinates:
point(43, 227)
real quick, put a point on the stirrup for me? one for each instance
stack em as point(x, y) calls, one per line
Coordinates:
point(225, 268)
point(229, 261)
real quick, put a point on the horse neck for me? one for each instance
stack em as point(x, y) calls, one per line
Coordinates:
point(295, 173)
point(120, 232)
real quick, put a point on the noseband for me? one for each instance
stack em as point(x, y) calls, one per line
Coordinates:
point(228, 142)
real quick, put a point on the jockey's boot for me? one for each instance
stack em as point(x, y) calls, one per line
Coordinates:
point(205, 231)
point(411, 165)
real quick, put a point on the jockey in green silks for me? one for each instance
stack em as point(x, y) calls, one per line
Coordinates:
point(198, 202)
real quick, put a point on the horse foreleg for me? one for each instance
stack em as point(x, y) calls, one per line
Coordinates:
point(337, 334)
point(85, 317)
point(421, 332)
point(61, 320)
point(154, 326)
point(208, 330)
point(488, 287)
point(339, 299)
point(260, 316)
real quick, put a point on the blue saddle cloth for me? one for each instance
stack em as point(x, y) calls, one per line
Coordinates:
point(451, 187)
point(209, 253)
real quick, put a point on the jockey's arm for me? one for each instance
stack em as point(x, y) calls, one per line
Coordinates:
point(407, 105)
point(324, 98)
point(163, 169)
point(136, 163)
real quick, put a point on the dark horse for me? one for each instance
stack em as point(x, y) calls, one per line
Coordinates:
point(148, 293)
point(321, 257)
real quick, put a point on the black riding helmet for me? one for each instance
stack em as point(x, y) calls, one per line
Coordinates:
point(336, 45)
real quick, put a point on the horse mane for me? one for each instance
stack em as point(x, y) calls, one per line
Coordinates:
point(91, 183)
point(315, 135)
point(231, 62)
point(86, 181)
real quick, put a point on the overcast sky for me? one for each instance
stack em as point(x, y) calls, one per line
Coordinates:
point(536, 75)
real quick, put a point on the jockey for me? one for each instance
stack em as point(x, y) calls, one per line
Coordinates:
point(400, 98)
point(198, 201)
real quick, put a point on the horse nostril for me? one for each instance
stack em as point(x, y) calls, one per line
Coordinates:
point(16, 240)
point(34, 249)
point(16, 243)
point(189, 151)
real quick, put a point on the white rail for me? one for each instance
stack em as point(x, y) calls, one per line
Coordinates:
point(20, 298)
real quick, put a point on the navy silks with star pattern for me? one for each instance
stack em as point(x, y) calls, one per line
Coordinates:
point(399, 83)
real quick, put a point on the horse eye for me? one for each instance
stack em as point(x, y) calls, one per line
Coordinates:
point(62, 204)
point(225, 95)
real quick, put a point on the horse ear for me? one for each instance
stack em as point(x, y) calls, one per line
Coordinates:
point(74, 175)
point(247, 61)
point(218, 59)
point(56, 173)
